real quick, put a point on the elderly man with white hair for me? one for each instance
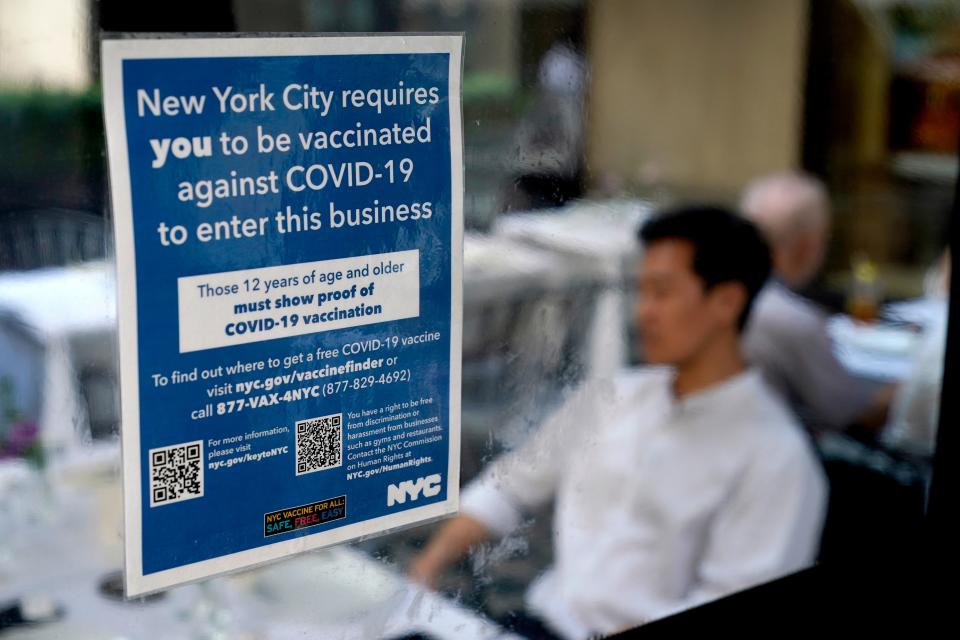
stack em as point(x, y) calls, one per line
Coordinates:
point(787, 336)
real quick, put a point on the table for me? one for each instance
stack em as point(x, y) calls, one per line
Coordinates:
point(62, 537)
point(45, 316)
point(875, 352)
point(884, 351)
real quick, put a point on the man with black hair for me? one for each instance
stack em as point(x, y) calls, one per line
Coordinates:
point(675, 484)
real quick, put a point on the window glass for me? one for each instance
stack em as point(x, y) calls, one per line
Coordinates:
point(831, 125)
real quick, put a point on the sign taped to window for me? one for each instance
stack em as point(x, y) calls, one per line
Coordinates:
point(288, 214)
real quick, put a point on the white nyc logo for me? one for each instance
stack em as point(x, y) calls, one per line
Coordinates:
point(429, 486)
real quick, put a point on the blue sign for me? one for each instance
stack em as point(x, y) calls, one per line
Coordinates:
point(288, 219)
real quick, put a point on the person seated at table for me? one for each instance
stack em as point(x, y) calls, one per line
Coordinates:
point(674, 484)
point(787, 335)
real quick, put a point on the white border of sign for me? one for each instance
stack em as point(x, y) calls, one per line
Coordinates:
point(113, 54)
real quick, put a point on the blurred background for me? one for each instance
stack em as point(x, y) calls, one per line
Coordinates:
point(580, 119)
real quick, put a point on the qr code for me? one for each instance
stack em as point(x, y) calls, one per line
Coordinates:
point(176, 473)
point(319, 443)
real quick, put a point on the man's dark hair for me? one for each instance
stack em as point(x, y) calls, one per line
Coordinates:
point(726, 247)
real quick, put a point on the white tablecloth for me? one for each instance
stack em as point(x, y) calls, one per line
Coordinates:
point(61, 537)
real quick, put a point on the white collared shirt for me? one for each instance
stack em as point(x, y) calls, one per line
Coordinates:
point(661, 504)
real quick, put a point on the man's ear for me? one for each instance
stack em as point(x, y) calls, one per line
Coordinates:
point(729, 299)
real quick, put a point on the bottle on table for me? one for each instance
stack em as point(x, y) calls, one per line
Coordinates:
point(863, 302)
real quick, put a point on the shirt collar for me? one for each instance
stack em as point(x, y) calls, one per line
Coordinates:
point(708, 399)
point(775, 283)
